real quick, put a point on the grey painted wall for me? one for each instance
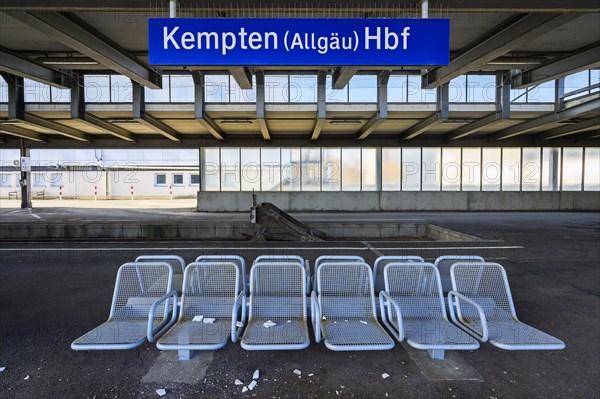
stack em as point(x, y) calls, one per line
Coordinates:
point(404, 201)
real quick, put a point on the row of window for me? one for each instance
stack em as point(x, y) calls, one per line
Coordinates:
point(177, 179)
point(299, 89)
point(400, 169)
point(57, 179)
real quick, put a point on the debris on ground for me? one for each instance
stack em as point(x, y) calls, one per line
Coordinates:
point(26, 378)
point(255, 375)
point(311, 374)
point(198, 318)
point(2, 369)
point(161, 392)
point(385, 375)
point(252, 385)
point(238, 382)
point(244, 389)
point(364, 322)
point(208, 320)
point(297, 372)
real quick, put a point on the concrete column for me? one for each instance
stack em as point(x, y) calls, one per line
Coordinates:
point(25, 181)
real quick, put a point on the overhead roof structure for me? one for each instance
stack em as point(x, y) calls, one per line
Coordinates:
point(522, 45)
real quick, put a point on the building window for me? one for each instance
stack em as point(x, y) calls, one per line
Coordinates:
point(194, 180)
point(160, 180)
point(39, 180)
point(5, 180)
point(178, 180)
point(56, 180)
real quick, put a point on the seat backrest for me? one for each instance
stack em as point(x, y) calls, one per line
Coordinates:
point(279, 258)
point(346, 290)
point(210, 289)
point(176, 262)
point(138, 286)
point(237, 260)
point(278, 290)
point(384, 260)
point(337, 258)
point(443, 263)
point(417, 289)
point(487, 284)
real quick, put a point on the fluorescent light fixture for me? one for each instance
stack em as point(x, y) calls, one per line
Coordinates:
point(12, 122)
point(236, 122)
point(67, 61)
point(123, 121)
point(345, 122)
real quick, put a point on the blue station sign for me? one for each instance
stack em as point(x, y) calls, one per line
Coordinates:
point(298, 41)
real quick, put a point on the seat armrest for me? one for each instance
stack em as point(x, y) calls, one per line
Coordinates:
point(236, 331)
point(386, 316)
point(453, 298)
point(152, 335)
point(315, 315)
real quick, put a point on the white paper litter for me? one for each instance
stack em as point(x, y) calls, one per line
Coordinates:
point(364, 322)
point(255, 375)
point(269, 324)
point(2, 369)
point(297, 372)
point(198, 318)
point(311, 374)
point(26, 378)
point(239, 324)
point(244, 389)
point(385, 375)
point(252, 385)
point(208, 320)
point(238, 382)
point(161, 392)
point(289, 321)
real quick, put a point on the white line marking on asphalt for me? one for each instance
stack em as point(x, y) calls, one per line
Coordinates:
point(372, 248)
point(224, 248)
point(33, 214)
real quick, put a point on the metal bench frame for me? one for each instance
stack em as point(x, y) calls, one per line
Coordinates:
point(287, 259)
point(388, 259)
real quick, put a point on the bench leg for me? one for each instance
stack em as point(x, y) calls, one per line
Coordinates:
point(185, 354)
point(436, 354)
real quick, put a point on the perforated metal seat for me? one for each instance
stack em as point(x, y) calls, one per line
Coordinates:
point(384, 260)
point(481, 304)
point(443, 264)
point(277, 294)
point(287, 259)
point(412, 307)
point(211, 290)
point(238, 260)
point(176, 262)
point(343, 308)
point(140, 308)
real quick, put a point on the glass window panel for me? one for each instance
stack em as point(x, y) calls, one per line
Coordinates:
point(397, 89)
point(572, 169)
point(121, 90)
point(592, 169)
point(311, 169)
point(550, 169)
point(216, 88)
point(230, 169)
point(60, 95)
point(270, 169)
point(36, 92)
point(390, 169)
point(276, 88)
point(411, 169)
point(418, 95)
point(239, 95)
point(303, 89)
point(351, 169)
point(96, 89)
point(532, 167)
point(194, 180)
point(291, 169)
point(369, 169)
point(335, 96)
point(481, 88)
point(3, 91)
point(511, 169)
point(451, 169)
point(211, 169)
point(430, 169)
point(182, 89)
point(576, 81)
point(250, 173)
point(158, 95)
point(542, 93)
point(518, 95)
point(332, 165)
point(56, 180)
point(457, 92)
point(594, 79)
point(6, 180)
point(363, 89)
point(471, 169)
point(491, 171)
point(178, 180)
